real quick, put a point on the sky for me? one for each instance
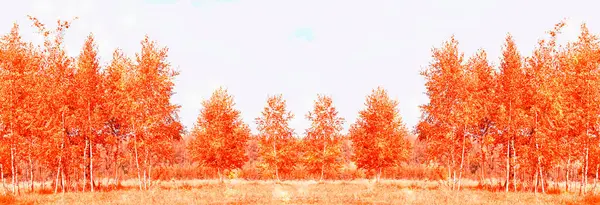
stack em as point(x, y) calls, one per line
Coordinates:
point(259, 48)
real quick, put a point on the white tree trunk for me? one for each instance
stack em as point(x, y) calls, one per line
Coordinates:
point(85, 150)
point(91, 167)
point(585, 176)
point(3, 182)
point(13, 172)
point(323, 163)
point(31, 172)
point(567, 173)
point(276, 161)
point(137, 163)
point(514, 165)
point(507, 165)
point(462, 160)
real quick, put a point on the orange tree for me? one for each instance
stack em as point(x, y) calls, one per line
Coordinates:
point(379, 135)
point(511, 85)
point(277, 145)
point(323, 139)
point(88, 78)
point(19, 101)
point(117, 105)
point(220, 135)
point(448, 115)
point(151, 106)
point(481, 87)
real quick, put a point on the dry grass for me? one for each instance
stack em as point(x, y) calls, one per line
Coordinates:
point(297, 192)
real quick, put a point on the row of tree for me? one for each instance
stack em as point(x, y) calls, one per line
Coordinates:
point(62, 118)
point(58, 112)
point(535, 116)
point(379, 137)
point(540, 114)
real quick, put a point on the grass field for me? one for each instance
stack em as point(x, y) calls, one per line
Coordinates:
point(296, 192)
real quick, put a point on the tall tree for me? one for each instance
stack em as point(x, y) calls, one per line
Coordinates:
point(542, 106)
point(323, 138)
point(447, 116)
point(511, 81)
point(580, 65)
point(481, 98)
point(151, 102)
point(18, 98)
point(220, 135)
point(277, 143)
point(117, 105)
point(88, 80)
point(379, 137)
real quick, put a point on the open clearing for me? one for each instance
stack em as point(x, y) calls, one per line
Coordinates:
point(297, 192)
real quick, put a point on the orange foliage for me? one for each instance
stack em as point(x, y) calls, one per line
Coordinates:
point(323, 138)
point(532, 122)
point(379, 136)
point(277, 146)
point(220, 135)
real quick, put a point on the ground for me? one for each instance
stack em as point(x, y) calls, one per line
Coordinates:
point(297, 192)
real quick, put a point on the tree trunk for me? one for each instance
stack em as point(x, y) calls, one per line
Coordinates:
point(567, 173)
point(91, 166)
point(323, 163)
point(507, 165)
point(557, 179)
point(514, 165)
point(483, 158)
point(137, 162)
point(150, 173)
point(91, 145)
point(276, 162)
point(116, 158)
point(147, 167)
point(17, 178)
point(13, 172)
point(542, 179)
point(453, 176)
point(581, 180)
point(31, 172)
point(536, 181)
point(454, 179)
point(449, 173)
point(57, 176)
point(63, 180)
point(85, 150)
point(595, 180)
point(379, 174)
point(585, 176)
point(4, 182)
point(462, 161)
point(60, 163)
point(220, 175)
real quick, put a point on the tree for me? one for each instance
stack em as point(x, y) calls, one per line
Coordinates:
point(88, 80)
point(543, 107)
point(19, 65)
point(150, 97)
point(277, 144)
point(448, 115)
point(580, 64)
point(481, 89)
point(379, 135)
point(510, 100)
point(323, 139)
point(220, 135)
point(117, 105)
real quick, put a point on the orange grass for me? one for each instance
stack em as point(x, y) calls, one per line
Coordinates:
point(298, 192)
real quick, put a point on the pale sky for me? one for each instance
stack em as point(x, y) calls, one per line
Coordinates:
point(257, 48)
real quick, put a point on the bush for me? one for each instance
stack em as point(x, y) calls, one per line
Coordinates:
point(415, 172)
